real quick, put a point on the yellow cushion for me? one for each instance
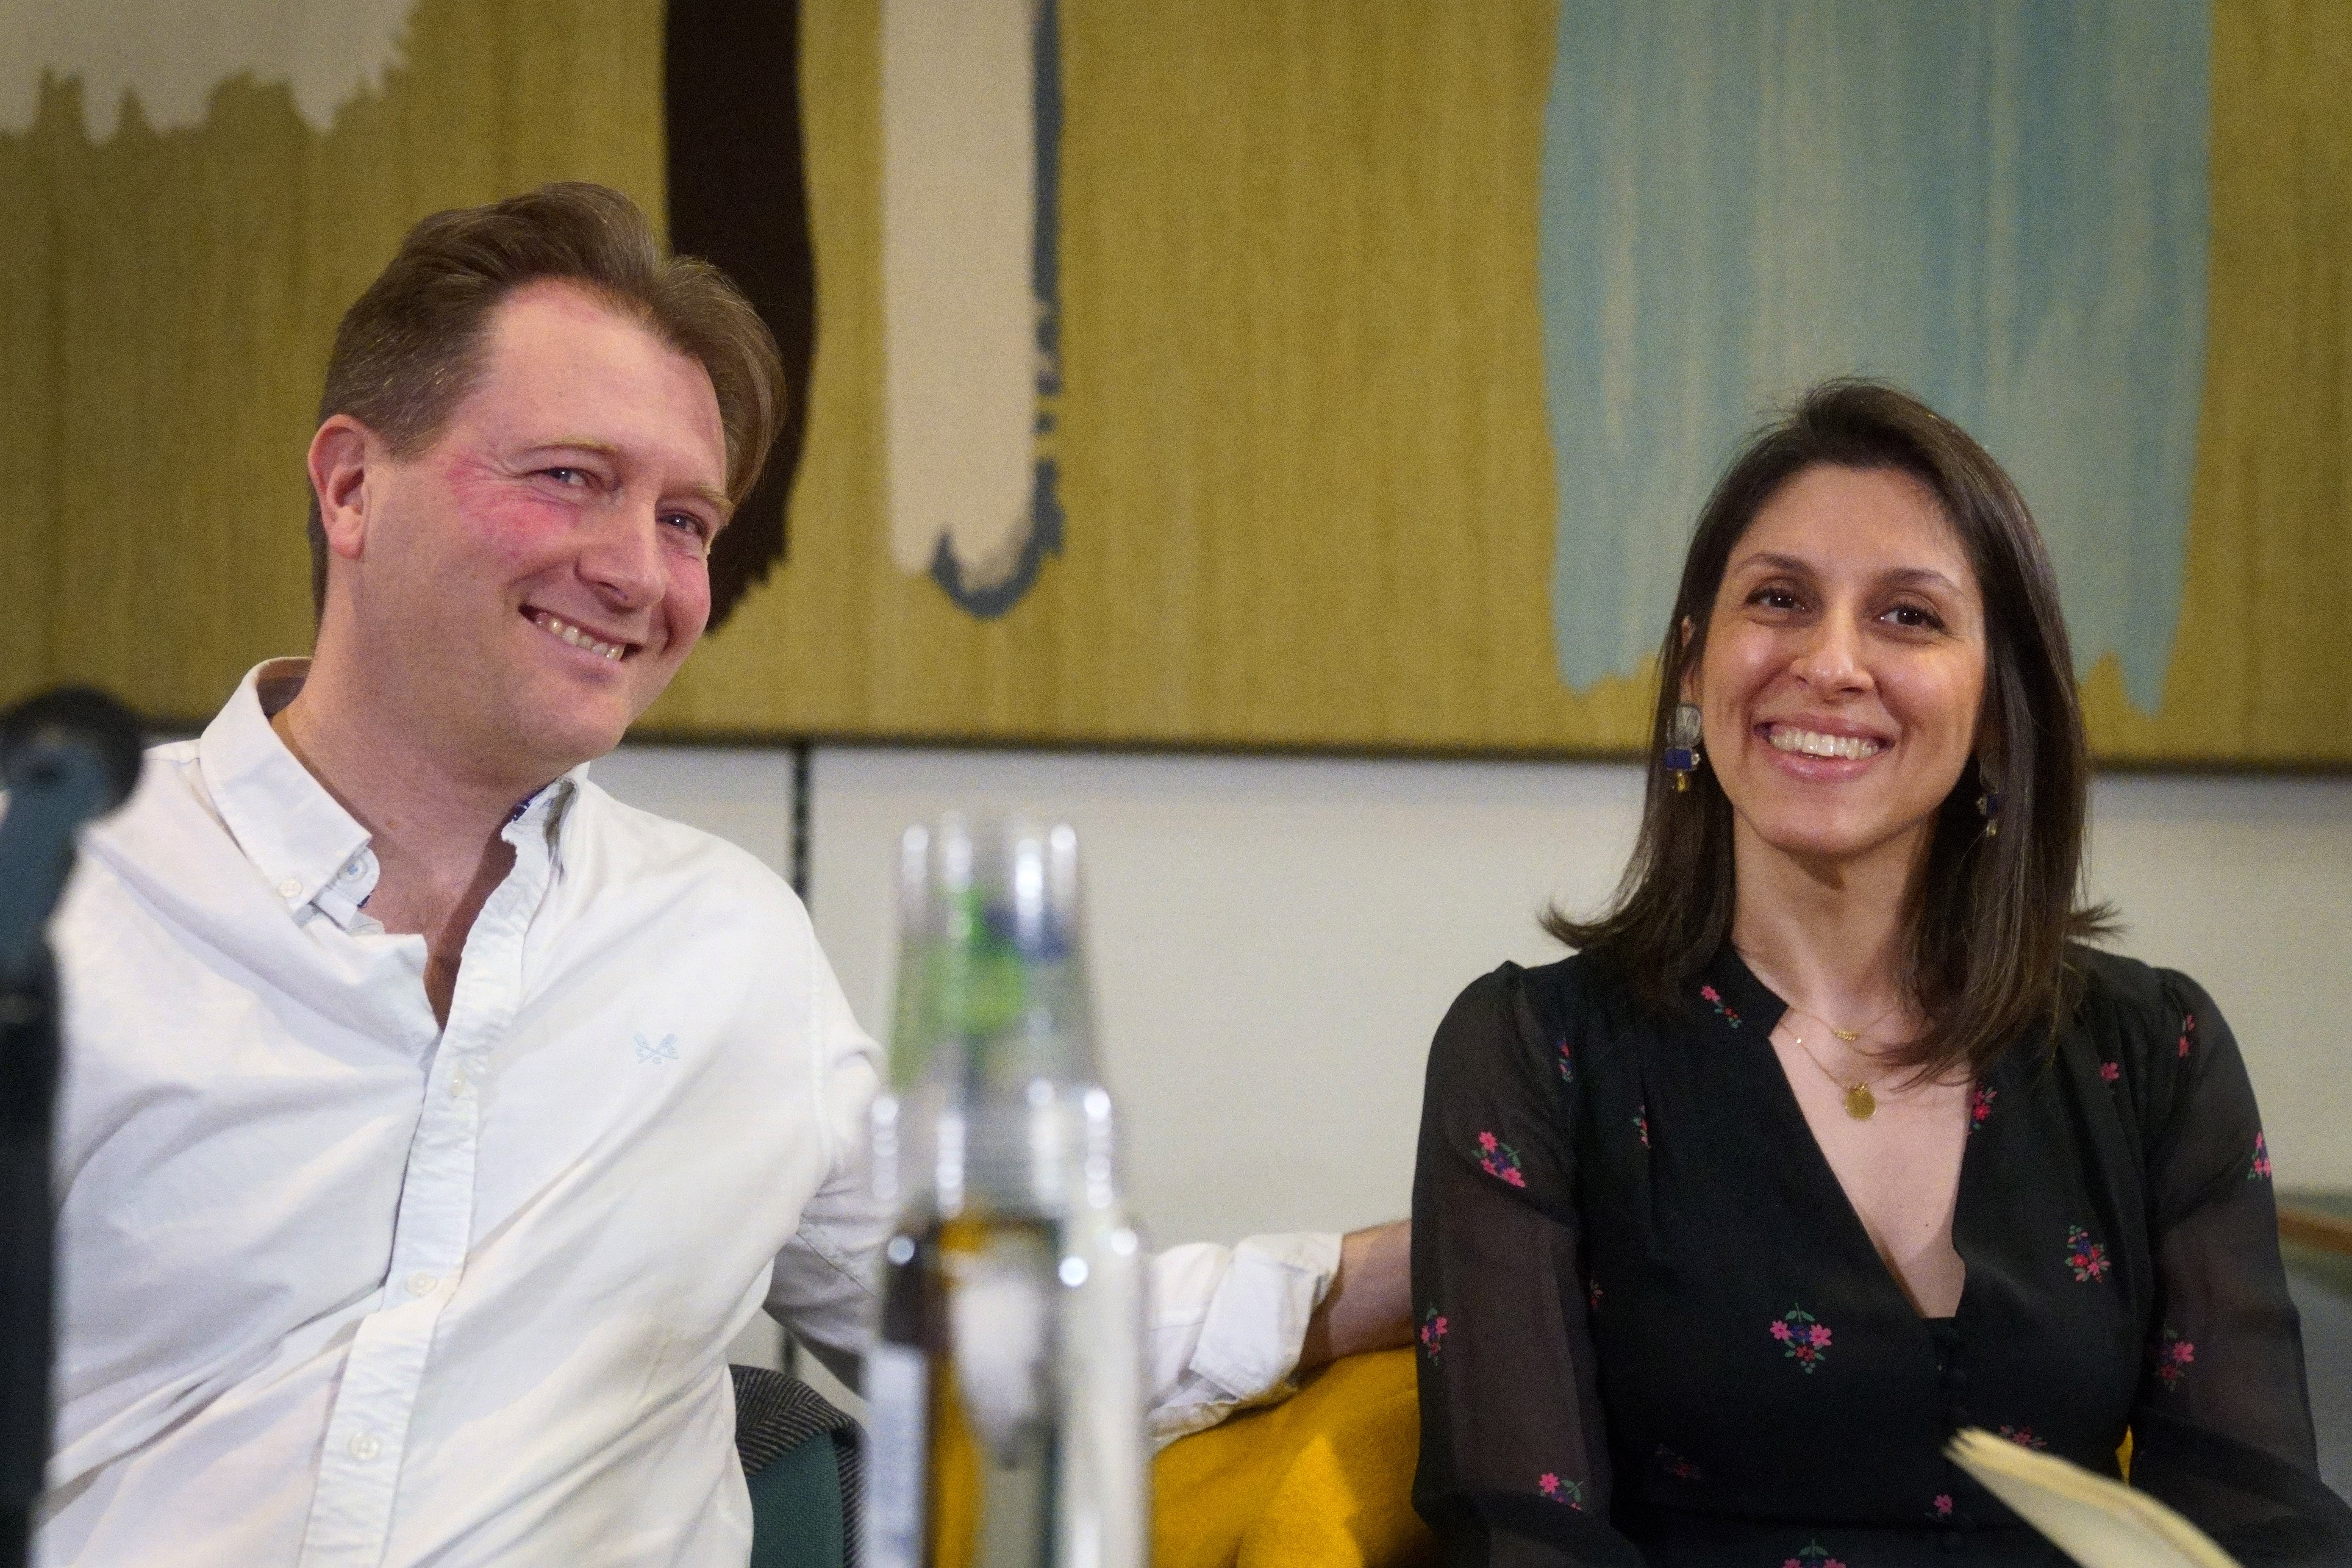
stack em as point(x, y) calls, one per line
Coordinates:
point(1323, 1480)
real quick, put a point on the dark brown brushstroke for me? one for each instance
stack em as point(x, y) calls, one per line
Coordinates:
point(738, 197)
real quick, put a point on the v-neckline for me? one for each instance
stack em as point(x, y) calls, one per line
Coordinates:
point(1756, 1005)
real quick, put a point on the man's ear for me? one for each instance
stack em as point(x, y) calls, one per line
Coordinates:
point(341, 454)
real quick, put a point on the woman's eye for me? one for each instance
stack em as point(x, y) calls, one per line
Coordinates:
point(1774, 598)
point(1915, 617)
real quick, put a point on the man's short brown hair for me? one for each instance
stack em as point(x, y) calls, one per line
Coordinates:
point(411, 347)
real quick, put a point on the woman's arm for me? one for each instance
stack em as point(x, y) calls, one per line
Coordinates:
point(2222, 1427)
point(1514, 1459)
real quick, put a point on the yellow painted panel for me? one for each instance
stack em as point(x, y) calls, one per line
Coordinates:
point(2258, 670)
point(179, 290)
point(1304, 457)
point(1303, 445)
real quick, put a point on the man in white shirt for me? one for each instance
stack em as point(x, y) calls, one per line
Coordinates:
point(432, 1121)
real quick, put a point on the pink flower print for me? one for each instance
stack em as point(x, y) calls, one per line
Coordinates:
point(1499, 1159)
point(2089, 1258)
point(1815, 1555)
point(1806, 1339)
point(2172, 1355)
point(2024, 1437)
point(1675, 1465)
point(2110, 1071)
point(1980, 1101)
point(1942, 1508)
point(1714, 999)
point(1561, 1059)
point(2259, 1171)
point(1592, 1295)
point(1571, 1493)
point(2188, 1033)
point(1432, 1333)
point(1641, 1125)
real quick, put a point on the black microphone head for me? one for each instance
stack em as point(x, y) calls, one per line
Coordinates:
point(67, 716)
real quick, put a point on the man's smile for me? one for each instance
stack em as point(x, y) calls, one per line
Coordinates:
point(612, 650)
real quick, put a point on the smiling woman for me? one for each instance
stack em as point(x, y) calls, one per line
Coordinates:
point(1834, 1138)
point(1865, 571)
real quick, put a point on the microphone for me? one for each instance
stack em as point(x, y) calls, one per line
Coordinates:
point(66, 756)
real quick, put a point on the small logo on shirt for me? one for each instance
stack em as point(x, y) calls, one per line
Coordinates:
point(648, 1051)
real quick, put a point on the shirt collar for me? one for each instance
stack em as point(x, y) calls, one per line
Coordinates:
point(299, 836)
point(281, 816)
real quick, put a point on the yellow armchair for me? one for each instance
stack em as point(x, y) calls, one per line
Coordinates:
point(1323, 1480)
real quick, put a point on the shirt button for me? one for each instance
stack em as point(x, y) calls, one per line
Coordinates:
point(290, 888)
point(458, 1081)
point(365, 1446)
point(1956, 1380)
point(422, 1284)
point(353, 870)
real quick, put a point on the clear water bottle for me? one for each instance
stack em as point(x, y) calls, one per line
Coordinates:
point(1006, 1385)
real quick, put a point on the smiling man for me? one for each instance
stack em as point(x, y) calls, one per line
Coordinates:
point(432, 1121)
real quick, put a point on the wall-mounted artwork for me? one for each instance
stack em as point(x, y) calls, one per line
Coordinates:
point(1252, 373)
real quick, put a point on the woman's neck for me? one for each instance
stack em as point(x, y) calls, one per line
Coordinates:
point(1828, 935)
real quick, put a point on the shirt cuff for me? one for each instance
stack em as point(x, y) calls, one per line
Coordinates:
point(1249, 1332)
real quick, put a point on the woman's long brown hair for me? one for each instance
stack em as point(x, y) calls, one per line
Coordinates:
point(1990, 917)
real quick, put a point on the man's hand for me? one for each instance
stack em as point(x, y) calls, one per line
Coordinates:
point(1369, 1304)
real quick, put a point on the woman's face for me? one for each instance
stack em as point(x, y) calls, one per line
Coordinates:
point(1845, 664)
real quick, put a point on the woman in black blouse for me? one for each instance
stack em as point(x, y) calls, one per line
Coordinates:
point(1832, 1139)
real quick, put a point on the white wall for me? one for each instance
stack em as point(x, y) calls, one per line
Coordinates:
point(1274, 940)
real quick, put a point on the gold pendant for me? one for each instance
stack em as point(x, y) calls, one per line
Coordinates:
point(1860, 1103)
point(1848, 1036)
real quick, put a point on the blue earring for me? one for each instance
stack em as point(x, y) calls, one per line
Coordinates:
point(1682, 744)
point(1988, 803)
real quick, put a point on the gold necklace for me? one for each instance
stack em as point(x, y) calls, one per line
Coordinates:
point(1860, 1103)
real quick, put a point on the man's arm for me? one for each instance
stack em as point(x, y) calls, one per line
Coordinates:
point(1369, 1304)
point(1233, 1327)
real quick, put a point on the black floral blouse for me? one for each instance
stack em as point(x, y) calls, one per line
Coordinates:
point(1654, 1331)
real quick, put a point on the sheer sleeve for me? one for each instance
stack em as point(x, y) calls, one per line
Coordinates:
point(1514, 1459)
point(2222, 1429)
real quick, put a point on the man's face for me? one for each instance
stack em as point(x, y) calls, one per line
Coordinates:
point(532, 580)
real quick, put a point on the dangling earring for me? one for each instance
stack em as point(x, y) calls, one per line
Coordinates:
point(1988, 803)
point(1682, 744)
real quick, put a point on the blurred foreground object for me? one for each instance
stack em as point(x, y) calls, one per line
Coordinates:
point(2100, 1523)
point(1007, 1381)
point(66, 756)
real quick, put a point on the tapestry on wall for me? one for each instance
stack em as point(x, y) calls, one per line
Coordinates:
point(1237, 372)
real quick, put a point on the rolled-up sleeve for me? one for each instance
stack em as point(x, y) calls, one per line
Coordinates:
point(1226, 1324)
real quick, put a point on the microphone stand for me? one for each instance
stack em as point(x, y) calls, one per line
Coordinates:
point(65, 757)
point(28, 1084)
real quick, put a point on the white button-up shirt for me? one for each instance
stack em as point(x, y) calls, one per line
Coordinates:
point(344, 1287)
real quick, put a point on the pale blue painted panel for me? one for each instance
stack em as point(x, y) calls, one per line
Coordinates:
point(2000, 206)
